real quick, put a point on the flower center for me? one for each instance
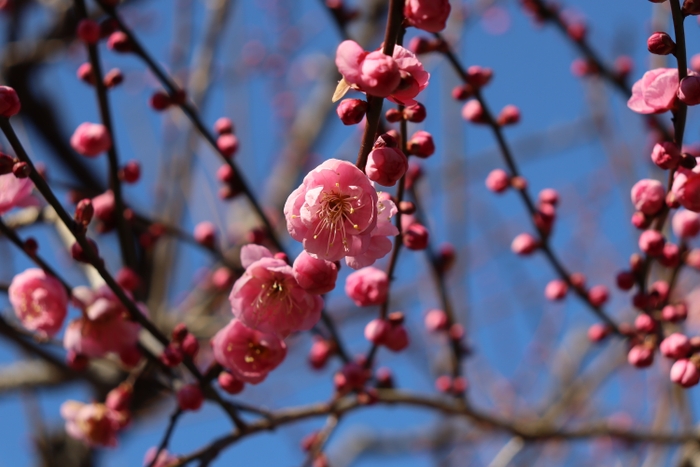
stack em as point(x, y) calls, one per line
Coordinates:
point(336, 209)
point(255, 352)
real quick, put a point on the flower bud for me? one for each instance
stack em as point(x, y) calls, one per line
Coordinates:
point(21, 169)
point(436, 320)
point(79, 255)
point(640, 356)
point(415, 237)
point(645, 323)
point(91, 139)
point(376, 331)
point(223, 126)
point(384, 378)
point(598, 295)
point(652, 242)
point(113, 78)
point(352, 377)
point(648, 196)
point(230, 384)
point(661, 43)
point(190, 345)
point(479, 76)
point(227, 145)
point(666, 155)
point(160, 100)
point(670, 257)
point(128, 279)
point(510, 115)
point(172, 356)
point(131, 172)
point(473, 112)
point(462, 92)
point(9, 102)
point(316, 276)
point(205, 234)
point(118, 41)
point(386, 165)
point(222, 278)
point(524, 244)
point(351, 111)
point(88, 31)
point(685, 373)
point(190, 397)
point(691, 7)
point(421, 144)
point(498, 181)
point(76, 362)
point(415, 113)
point(689, 90)
point(84, 212)
point(393, 115)
point(556, 289)
point(675, 346)
point(321, 351)
point(119, 398)
point(597, 332)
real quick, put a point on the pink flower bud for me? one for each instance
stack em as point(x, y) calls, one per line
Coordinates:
point(229, 383)
point(652, 242)
point(415, 237)
point(160, 100)
point(462, 92)
point(113, 78)
point(384, 378)
point(396, 338)
point(675, 346)
point(445, 258)
point(351, 111)
point(640, 356)
point(695, 63)
point(421, 144)
point(222, 278)
point(131, 172)
point(128, 279)
point(85, 74)
point(118, 41)
point(88, 31)
point(9, 102)
point(645, 323)
point(691, 7)
point(674, 313)
point(225, 174)
point(666, 155)
point(685, 373)
point(227, 144)
point(623, 65)
point(104, 206)
point(556, 289)
point(320, 352)
point(190, 345)
point(172, 356)
point(443, 383)
point(223, 126)
point(386, 165)
point(670, 257)
point(368, 286)
point(316, 276)
point(689, 90)
point(393, 116)
point(661, 43)
point(190, 397)
point(84, 212)
point(119, 398)
point(428, 15)
point(524, 244)
point(205, 234)
point(692, 259)
point(473, 112)
point(498, 181)
point(436, 320)
point(377, 330)
point(510, 115)
point(91, 139)
point(598, 295)
point(686, 224)
point(648, 196)
point(479, 76)
point(415, 113)
point(352, 377)
point(597, 332)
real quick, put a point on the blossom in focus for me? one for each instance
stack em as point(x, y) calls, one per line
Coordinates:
point(95, 424)
point(428, 15)
point(40, 301)
point(268, 298)
point(655, 92)
point(247, 353)
point(15, 192)
point(105, 326)
point(414, 78)
point(316, 276)
point(334, 211)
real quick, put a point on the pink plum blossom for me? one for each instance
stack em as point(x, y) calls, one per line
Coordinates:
point(428, 15)
point(334, 211)
point(371, 72)
point(414, 78)
point(15, 192)
point(40, 301)
point(249, 354)
point(655, 92)
point(686, 188)
point(368, 286)
point(267, 297)
point(316, 276)
point(686, 224)
point(666, 155)
point(105, 326)
point(91, 139)
point(379, 243)
point(95, 424)
point(648, 196)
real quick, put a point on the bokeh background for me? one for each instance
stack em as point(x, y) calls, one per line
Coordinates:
point(268, 65)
